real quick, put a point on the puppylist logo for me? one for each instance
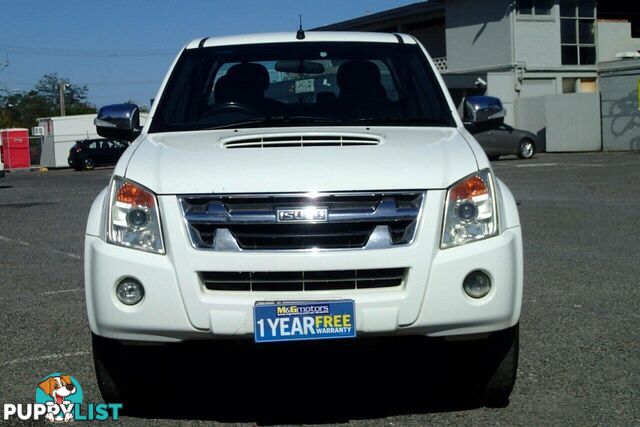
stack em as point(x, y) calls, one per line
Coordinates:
point(59, 398)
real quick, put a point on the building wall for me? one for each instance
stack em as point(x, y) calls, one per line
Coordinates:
point(538, 87)
point(619, 84)
point(478, 34)
point(432, 37)
point(615, 37)
point(537, 40)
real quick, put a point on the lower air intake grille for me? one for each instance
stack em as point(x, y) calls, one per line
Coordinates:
point(282, 281)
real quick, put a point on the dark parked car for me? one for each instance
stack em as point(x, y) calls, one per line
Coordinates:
point(89, 153)
point(506, 140)
point(496, 138)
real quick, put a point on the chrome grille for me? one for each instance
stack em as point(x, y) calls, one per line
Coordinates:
point(349, 221)
point(296, 281)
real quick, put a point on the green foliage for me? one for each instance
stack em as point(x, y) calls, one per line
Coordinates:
point(22, 109)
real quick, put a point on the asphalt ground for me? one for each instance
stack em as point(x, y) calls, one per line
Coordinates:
point(580, 333)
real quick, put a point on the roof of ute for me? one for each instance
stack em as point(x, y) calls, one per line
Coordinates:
point(310, 36)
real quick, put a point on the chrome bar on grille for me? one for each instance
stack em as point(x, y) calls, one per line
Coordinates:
point(224, 241)
point(216, 213)
point(366, 220)
point(380, 238)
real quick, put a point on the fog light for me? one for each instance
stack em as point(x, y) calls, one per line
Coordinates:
point(130, 291)
point(476, 284)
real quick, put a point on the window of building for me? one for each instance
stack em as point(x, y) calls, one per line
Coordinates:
point(578, 32)
point(635, 28)
point(569, 85)
point(582, 85)
point(588, 85)
point(535, 7)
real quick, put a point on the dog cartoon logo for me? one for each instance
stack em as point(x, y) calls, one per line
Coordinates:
point(60, 392)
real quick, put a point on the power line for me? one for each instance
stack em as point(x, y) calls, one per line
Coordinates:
point(39, 51)
point(127, 95)
point(30, 80)
point(123, 83)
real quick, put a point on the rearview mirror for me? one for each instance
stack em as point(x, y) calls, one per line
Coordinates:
point(479, 109)
point(300, 67)
point(119, 121)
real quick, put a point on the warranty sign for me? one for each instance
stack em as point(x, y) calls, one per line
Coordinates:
point(296, 321)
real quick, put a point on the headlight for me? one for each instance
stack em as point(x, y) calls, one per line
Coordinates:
point(133, 218)
point(470, 210)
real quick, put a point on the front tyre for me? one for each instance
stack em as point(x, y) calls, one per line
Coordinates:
point(498, 366)
point(108, 370)
point(124, 372)
point(526, 149)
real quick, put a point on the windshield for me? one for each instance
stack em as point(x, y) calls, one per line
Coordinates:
point(301, 83)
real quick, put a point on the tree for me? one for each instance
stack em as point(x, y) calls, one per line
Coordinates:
point(22, 109)
point(143, 108)
point(49, 88)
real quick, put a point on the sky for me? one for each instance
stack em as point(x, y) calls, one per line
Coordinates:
point(122, 49)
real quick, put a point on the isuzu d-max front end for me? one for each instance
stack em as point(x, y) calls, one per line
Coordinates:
point(290, 189)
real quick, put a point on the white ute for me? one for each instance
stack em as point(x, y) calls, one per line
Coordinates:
point(294, 187)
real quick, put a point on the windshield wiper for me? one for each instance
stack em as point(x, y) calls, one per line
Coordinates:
point(374, 121)
point(278, 120)
point(414, 121)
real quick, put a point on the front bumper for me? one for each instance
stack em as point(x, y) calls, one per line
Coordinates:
point(430, 302)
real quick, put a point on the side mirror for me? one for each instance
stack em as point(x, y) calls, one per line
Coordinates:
point(479, 109)
point(119, 121)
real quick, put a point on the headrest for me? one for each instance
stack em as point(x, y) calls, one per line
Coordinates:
point(358, 74)
point(249, 74)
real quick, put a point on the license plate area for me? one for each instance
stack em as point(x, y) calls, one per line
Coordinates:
point(300, 321)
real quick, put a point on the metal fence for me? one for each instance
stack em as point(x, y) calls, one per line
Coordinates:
point(620, 86)
point(568, 122)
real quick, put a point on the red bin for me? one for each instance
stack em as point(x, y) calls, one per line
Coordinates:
point(15, 148)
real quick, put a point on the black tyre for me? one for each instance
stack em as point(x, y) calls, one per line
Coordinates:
point(77, 168)
point(526, 149)
point(88, 164)
point(125, 373)
point(498, 366)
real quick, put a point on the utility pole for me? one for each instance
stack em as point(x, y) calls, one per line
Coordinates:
point(61, 87)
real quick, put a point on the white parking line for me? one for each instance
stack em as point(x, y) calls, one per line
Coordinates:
point(45, 357)
point(62, 291)
point(70, 255)
point(55, 251)
point(537, 165)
